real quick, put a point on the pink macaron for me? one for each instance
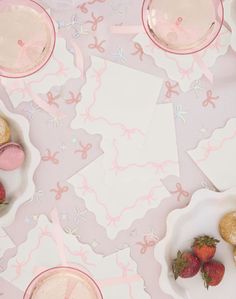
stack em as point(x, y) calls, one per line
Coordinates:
point(12, 156)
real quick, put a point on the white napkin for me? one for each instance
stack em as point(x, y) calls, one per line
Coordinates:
point(185, 69)
point(5, 242)
point(138, 141)
point(216, 156)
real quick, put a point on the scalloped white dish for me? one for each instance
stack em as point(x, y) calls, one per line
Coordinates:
point(19, 183)
point(202, 216)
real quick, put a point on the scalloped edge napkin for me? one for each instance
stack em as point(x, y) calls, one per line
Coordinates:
point(116, 274)
point(185, 69)
point(216, 156)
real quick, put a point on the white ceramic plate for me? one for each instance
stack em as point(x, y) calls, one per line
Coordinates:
point(19, 184)
point(200, 217)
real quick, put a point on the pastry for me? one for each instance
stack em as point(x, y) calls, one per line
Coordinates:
point(5, 131)
point(12, 156)
point(227, 228)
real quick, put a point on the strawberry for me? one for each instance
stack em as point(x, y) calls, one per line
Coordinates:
point(2, 194)
point(185, 265)
point(212, 273)
point(204, 247)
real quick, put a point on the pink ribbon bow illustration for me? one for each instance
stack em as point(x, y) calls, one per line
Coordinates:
point(171, 89)
point(52, 99)
point(145, 245)
point(74, 99)
point(180, 191)
point(59, 191)
point(84, 150)
point(210, 99)
point(83, 8)
point(139, 51)
point(51, 157)
point(97, 45)
point(95, 21)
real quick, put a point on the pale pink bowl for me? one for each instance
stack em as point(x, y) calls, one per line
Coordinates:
point(27, 38)
point(47, 281)
point(184, 27)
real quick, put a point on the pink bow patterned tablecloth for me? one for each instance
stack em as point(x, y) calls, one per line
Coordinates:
point(86, 26)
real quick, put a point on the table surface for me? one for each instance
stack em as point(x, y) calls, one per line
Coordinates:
point(194, 122)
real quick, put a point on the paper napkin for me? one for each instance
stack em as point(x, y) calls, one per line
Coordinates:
point(5, 242)
point(120, 104)
point(117, 203)
point(216, 156)
point(185, 69)
point(117, 98)
point(138, 141)
point(116, 275)
point(56, 72)
point(230, 18)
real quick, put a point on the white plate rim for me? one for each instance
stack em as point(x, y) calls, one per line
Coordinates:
point(7, 218)
point(159, 251)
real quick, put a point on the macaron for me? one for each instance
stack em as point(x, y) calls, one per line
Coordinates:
point(2, 194)
point(12, 156)
point(5, 132)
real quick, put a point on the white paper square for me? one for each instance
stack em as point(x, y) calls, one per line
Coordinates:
point(216, 156)
point(117, 98)
point(117, 202)
point(5, 242)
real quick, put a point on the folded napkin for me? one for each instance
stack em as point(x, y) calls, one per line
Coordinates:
point(216, 156)
point(138, 141)
point(185, 69)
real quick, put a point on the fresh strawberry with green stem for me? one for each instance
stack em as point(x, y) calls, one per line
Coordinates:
point(212, 273)
point(185, 265)
point(204, 247)
point(2, 194)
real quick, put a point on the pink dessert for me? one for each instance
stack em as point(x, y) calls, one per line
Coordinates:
point(12, 156)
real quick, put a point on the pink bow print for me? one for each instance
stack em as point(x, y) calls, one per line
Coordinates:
point(51, 157)
point(97, 45)
point(139, 51)
point(210, 99)
point(52, 99)
point(84, 150)
point(171, 89)
point(145, 245)
point(74, 99)
point(59, 191)
point(179, 190)
point(95, 21)
point(83, 8)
